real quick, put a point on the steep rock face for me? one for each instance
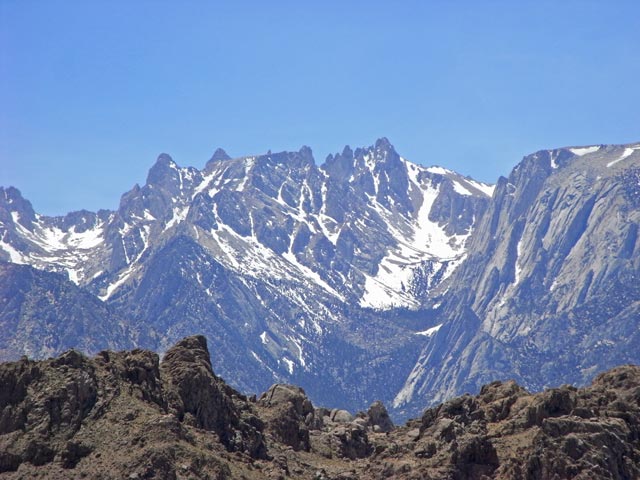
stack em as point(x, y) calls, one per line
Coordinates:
point(297, 273)
point(554, 270)
point(193, 392)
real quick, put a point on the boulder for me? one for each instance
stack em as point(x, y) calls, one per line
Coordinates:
point(290, 415)
point(379, 418)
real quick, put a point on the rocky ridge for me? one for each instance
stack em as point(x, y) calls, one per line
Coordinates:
point(298, 273)
point(554, 269)
point(129, 415)
point(366, 278)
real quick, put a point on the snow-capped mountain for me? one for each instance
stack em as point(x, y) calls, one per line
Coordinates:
point(550, 290)
point(318, 275)
point(369, 277)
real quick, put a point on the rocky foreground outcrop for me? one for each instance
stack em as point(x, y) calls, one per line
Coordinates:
point(128, 415)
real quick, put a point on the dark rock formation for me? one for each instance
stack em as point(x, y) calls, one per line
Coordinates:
point(195, 395)
point(55, 413)
point(124, 415)
point(506, 433)
point(289, 415)
point(379, 418)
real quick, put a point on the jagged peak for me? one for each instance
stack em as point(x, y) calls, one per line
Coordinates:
point(10, 194)
point(342, 165)
point(381, 150)
point(306, 151)
point(383, 143)
point(162, 169)
point(219, 155)
point(11, 198)
point(165, 159)
point(347, 151)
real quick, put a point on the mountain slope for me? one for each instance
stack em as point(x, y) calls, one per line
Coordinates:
point(43, 314)
point(317, 275)
point(368, 277)
point(554, 269)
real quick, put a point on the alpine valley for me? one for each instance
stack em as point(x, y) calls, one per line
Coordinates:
point(366, 278)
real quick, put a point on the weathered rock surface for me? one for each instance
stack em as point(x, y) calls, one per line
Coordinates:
point(126, 415)
point(379, 418)
point(549, 292)
point(123, 414)
point(194, 394)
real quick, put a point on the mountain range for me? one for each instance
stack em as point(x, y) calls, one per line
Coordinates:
point(368, 277)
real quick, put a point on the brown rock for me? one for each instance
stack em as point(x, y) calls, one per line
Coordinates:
point(379, 417)
point(121, 415)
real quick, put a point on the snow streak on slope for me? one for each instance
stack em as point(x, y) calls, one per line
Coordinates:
point(429, 332)
point(627, 152)
point(14, 255)
point(185, 201)
point(259, 261)
point(426, 241)
point(49, 245)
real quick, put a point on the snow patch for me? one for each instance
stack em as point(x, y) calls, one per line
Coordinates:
point(179, 216)
point(580, 151)
point(379, 296)
point(485, 188)
point(438, 170)
point(518, 269)
point(310, 274)
point(429, 332)
point(14, 255)
point(627, 152)
point(289, 364)
point(247, 168)
point(299, 347)
point(97, 274)
point(460, 189)
point(328, 226)
point(88, 239)
point(73, 275)
point(123, 277)
point(420, 241)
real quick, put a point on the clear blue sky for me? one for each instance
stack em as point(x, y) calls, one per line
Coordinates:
point(92, 91)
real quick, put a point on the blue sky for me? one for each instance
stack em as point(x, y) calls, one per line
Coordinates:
point(92, 92)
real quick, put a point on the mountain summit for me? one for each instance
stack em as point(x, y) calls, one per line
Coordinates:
point(291, 270)
point(368, 277)
point(553, 264)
